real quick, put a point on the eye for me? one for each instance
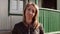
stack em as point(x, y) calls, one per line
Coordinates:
point(33, 11)
point(29, 9)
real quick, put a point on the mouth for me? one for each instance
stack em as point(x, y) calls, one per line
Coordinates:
point(30, 17)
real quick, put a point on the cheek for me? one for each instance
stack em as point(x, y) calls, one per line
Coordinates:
point(26, 14)
point(33, 15)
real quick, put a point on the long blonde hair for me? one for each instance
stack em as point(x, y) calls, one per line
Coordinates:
point(34, 20)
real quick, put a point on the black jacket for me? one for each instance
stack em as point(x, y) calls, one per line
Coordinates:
point(20, 28)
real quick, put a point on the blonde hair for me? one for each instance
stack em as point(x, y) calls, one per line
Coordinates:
point(36, 13)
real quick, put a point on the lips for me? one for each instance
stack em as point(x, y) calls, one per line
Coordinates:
point(30, 16)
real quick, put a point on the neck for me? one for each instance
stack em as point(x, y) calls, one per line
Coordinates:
point(28, 21)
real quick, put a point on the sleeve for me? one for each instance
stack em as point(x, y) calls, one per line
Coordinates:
point(41, 29)
point(14, 31)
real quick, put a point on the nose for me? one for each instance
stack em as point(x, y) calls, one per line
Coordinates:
point(30, 12)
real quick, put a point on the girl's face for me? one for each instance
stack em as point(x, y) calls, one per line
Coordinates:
point(30, 12)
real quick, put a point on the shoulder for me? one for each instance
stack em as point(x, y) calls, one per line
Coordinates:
point(41, 26)
point(18, 24)
point(41, 29)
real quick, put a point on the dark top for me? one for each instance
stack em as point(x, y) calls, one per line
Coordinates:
point(20, 28)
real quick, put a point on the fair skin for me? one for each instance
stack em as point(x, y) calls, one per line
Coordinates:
point(30, 12)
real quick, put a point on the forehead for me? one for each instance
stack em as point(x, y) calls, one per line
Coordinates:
point(31, 7)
